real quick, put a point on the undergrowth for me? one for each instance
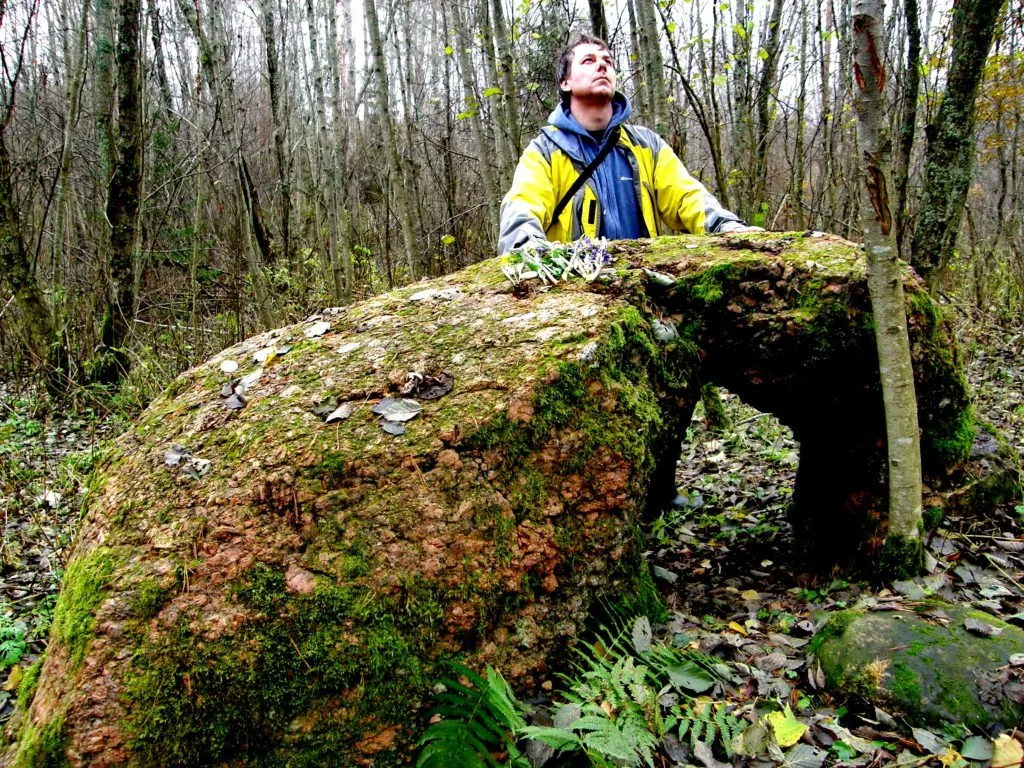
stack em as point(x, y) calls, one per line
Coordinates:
point(627, 695)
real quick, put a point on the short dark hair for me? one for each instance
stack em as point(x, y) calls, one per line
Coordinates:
point(565, 61)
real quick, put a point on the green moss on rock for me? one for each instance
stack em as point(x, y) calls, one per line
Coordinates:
point(929, 673)
point(86, 583)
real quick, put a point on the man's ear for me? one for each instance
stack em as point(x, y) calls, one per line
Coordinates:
point(562, 85)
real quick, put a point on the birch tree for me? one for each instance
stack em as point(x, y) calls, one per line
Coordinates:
point(903, 540)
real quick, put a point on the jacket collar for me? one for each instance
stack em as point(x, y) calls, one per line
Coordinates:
point(570, 134)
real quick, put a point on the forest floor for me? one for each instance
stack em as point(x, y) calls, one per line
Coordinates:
point(723, 553)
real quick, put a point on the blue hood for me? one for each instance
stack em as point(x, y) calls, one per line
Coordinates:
point(574, 139)
point(613, 179)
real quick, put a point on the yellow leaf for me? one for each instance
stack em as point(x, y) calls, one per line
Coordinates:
point(1008, 752)
point(14, 678)
point(786, 727)
point(737, 628)
point(750, 594)
point(950, 757)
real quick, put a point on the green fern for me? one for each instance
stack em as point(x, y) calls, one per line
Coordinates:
point(478, 720)
point(707, 722)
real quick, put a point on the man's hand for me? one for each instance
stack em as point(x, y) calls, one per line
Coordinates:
point(736, 228)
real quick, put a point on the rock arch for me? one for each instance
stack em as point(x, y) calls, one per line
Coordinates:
point(264, 574)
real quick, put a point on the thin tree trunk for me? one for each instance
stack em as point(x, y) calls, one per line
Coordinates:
point(416, 266)
point(903, 541)
point(284, 188)
point(509, 92)
point(908, 125)
point(123, 195)
point(463, 42)
point(769, 68)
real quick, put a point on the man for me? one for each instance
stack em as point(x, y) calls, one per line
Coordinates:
point(639, 189)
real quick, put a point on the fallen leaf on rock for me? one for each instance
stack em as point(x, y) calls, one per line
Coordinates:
point(197, 468)
point(174, 455)
point(316, 329)
point(352, 346)
point(341, 413)
point(264, 355)
point(235, 403)
point(323, 407)
point(397, 409)
point(228, 366)
point(982, 628)
point(426, 387)
point(392, 428)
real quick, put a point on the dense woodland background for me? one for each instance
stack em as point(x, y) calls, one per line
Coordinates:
point(177, 174)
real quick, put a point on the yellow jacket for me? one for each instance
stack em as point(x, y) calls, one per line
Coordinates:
point(671, 200)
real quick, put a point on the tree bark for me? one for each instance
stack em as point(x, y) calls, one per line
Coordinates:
point(123, 195)
point(903, 538)
point(380, 73)
point(949, 157)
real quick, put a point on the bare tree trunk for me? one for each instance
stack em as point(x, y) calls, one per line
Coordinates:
point(903, 541)
point(598, 22)
point(338, 199)
point(509, 92)
point(123, 195)
point(463, 42)
point(950, 154)
point(284, 187)
point(908, 124)
point(416, 266)
point(769, 67)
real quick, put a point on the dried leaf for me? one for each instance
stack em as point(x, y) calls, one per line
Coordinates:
point(428, 387)
point(341, 413)
point(397, 409)
point(642, 634)
point(316, 329)
point(228, 366)
point(982, 628)
point(804, 756)
point(929, 741)
point(235, 403)
point(392, 428)
point(352, 346)
point(323, 407)
point(263, 355)
point(1007, 752)
point(706, 756)
point(665, 575)
point(173, 457)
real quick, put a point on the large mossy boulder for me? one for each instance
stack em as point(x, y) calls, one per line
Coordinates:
point(268, 574)
point(933, 664)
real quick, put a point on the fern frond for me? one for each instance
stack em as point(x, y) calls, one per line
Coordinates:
point(478, 719)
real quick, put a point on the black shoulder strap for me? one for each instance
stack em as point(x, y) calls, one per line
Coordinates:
point(586, 173)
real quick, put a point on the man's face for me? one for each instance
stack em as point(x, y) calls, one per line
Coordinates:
point(591, 73)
